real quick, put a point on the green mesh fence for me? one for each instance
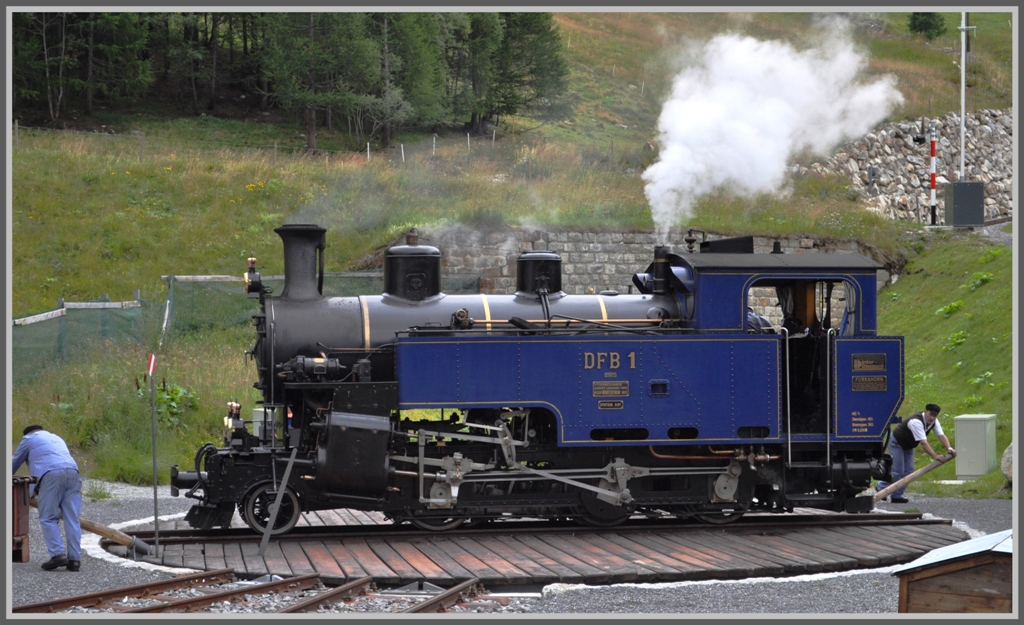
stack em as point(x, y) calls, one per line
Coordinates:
point(200, 303)
point(194, 305)
point(43, 340)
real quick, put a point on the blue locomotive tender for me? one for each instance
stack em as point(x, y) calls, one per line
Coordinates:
point(446, 409)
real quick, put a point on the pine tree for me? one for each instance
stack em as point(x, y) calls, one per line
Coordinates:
point(931, 25)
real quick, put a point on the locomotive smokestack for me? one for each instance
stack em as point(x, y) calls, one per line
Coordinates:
point(301, 244)
point(660, 270)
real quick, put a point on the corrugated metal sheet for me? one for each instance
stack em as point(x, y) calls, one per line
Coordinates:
point(1001, 542)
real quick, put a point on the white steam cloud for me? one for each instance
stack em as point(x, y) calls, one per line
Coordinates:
point(742, 107)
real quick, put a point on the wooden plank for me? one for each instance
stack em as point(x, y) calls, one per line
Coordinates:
point(590, 574)
point(194, 557)
point(330, 518)
point(296, 557)
point(322, 560)
point(424, 564)
point(731, 565)
point(887, 551)
point(439, 550)
point(277, 563)
point(882, 553)
point(490, 549)
point(584, 549)
point(233, 557)
point(905, 535)
point(840, 548)
point(254, 564)
point(648, 569)
point(311, 519)
point(941, 534)
point(351, 565)
point(669, 568)
point(365, 518)
point(925, 601)
point(987, 580)
point(479, 561)
point(790, 563)
point(766, 565)
point(173, 555)
point(214, 556)
point(509, 544)
point(346, 517)
point(394, 561)
point(816, 560)
point(681, 555)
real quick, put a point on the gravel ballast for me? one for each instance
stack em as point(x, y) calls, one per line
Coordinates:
point(862, 591)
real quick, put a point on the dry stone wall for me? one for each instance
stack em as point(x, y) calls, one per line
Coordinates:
point(893, 174)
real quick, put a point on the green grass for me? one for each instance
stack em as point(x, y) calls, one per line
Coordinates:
point(96, 491)
point(953, 304)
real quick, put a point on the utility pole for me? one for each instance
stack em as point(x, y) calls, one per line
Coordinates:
point(963, 87)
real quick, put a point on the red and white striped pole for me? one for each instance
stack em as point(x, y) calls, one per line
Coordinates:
point(934, 206)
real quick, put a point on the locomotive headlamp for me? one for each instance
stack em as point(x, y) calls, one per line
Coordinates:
point(253, 284)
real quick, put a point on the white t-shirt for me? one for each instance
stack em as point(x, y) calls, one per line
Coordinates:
point(917, 429)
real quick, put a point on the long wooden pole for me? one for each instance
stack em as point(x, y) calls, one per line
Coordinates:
point(895, 486)
point(107, 532)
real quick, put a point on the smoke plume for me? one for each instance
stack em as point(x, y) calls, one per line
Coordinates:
point(741, 108)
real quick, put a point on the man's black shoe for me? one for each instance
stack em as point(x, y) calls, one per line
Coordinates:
point(74, 565)
point(55, 562)
point(900, 500)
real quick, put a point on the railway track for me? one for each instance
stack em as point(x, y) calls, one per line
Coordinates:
point(220, 592)
point(767, 522)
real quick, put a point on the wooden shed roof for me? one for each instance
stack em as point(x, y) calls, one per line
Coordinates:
point(1000, 542)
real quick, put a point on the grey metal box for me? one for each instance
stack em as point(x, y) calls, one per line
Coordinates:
point(975, 445)
point(965, 204)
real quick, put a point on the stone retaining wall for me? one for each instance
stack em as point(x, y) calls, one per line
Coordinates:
point(596, 261)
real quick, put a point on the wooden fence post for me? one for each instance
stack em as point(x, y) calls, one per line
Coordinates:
point(275, 152)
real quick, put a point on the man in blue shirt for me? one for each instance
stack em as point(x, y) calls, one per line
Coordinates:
point(59, 490)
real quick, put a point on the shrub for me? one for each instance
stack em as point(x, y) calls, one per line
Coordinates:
point(931, 25)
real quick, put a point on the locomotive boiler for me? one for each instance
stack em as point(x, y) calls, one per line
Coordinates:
point(441, 409)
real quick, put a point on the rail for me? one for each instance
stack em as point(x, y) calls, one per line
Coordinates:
point(438, 603)
point(203, 578)
point(356, 587)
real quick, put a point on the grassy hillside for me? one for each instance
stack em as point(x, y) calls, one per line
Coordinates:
point(954, 306)
point(110, 213)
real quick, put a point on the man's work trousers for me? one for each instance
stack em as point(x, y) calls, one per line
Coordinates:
point(60, 494)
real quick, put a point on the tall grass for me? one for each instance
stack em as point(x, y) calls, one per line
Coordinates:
point(100, 403)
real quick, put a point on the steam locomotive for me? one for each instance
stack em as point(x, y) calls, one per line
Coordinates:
point(442, 410)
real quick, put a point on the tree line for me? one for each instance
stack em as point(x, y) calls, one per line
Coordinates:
point(372, 73)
